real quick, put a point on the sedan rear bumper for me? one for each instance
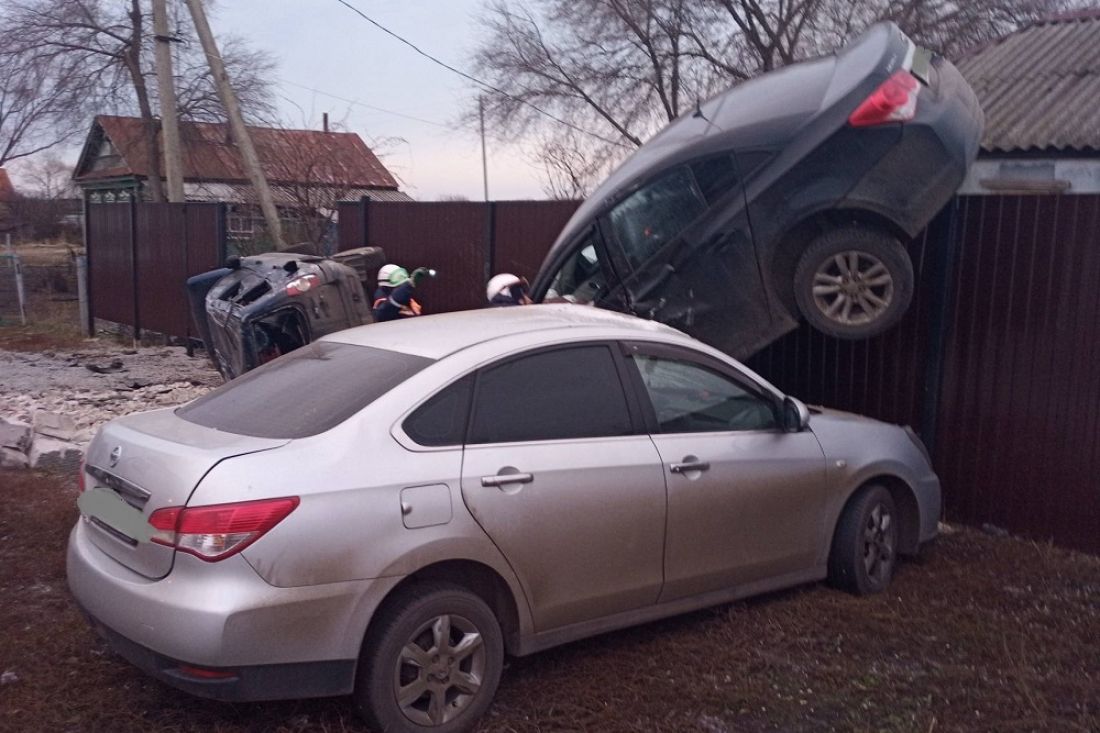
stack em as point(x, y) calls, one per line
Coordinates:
point(243, 684)
point(224, 616)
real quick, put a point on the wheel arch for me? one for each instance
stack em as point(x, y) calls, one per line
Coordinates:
point(476, 577)
point(794, 240)
point(905, 499)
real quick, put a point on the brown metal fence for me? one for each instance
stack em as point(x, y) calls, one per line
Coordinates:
point(148, 251)
point(467, 242)
point(997, 363)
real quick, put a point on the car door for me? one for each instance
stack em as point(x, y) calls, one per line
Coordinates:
point(687, 245)
point(745, 497)
point(566, 483)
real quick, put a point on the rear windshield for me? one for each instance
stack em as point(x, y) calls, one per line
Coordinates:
point(304, 393)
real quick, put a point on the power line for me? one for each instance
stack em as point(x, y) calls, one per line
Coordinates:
point(357, 103)
point(474, 79)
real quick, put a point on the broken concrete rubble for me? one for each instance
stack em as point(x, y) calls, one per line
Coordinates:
point(50, 453)
point(49, 412)
point(15, 435)
point(54, 425)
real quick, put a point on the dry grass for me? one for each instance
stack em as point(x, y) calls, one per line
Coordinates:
point(981, 634)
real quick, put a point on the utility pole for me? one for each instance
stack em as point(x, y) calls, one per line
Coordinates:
point(484, 162)
point(236, 123)
point(166, 90)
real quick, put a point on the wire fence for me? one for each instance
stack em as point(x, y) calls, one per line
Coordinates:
point(37, 293)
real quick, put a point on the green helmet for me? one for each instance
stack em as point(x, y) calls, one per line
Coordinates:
point(399, 276)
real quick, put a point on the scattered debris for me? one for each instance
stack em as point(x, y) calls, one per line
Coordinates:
point(49, 411)
point(8, 678)
point(994, 530)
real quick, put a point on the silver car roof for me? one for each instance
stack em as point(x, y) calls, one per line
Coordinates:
point(437, 336)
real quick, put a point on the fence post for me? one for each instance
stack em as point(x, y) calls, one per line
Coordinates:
point(134, 269)
point(86, 218)
point(17, 269)
point(490, 239)
point(364, 218)
point(223, 233)
point(81, 262)
point(944, 262)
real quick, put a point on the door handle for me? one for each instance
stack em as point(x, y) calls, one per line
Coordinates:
point(507, 478)
point(687, 467)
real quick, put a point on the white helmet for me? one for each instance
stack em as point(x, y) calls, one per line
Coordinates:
point(384, 274)
point(499, 283)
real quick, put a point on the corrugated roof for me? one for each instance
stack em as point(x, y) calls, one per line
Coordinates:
point(1040, 86)
point(285, 196)
point(286, 156)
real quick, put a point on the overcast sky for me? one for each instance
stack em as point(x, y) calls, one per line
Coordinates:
point(323, 45)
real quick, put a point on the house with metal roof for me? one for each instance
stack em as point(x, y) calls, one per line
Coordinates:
point(308, 170)
point(1040, 90)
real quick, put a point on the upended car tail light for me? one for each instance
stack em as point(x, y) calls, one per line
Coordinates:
point(895, 100)
point(215, 532)
point(302, 284)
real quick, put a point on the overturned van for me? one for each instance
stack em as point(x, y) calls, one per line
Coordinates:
point(259, 307)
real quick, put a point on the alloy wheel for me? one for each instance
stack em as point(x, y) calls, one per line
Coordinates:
point(853, 287)
point(440, 670)
point(879, 541)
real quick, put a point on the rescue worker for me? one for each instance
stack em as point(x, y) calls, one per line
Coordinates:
point(507, 289)
point(384, 287)
point(400, 303)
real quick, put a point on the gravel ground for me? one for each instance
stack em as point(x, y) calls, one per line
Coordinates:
point(100, 382)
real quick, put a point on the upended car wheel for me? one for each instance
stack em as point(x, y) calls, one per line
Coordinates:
point(432, 661)
point(864, 550)
point(854, 282)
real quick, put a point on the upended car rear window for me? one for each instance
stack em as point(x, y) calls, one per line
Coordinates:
point(304, 393)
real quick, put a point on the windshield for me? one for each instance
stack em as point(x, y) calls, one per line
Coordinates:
point(581, 279)
point(654, 214)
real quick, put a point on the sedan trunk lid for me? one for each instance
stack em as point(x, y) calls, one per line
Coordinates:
point(140, 463)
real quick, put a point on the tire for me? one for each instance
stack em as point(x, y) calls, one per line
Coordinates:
point(446, 703)
point(864, 552)
point(854, 282)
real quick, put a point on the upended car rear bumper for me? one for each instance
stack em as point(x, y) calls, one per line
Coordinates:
point(922, 171)
point(276, 643)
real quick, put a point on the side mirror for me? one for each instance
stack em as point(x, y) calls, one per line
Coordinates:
point(796, 416)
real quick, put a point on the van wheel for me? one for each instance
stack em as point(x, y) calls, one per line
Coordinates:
point(432, 660)
point(865, 544)
point(854, 282)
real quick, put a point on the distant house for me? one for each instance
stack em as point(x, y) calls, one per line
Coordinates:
point(308, 170)
point(1040, 90)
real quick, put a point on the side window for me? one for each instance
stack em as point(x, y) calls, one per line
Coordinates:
point(689, 398)
point(582, 279)
point(442, 419)
point(654, 214)
point(716, 176)
point(566, 393)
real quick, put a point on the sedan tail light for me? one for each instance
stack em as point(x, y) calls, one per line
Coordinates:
point(215, 532)
point(895, 100)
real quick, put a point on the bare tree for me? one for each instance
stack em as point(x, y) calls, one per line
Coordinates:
point(107, 49)
point(614, 71)
point(38, 105)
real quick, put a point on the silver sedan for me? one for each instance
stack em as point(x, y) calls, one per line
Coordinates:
point(389, 511)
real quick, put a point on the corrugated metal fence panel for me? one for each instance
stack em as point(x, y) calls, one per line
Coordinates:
point(205, 240)
point(349, 230)
point(881, 377)
point(162, 268)
point(1019, 430)
point(449, 236)
point(524, 231)
point(109, 262)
